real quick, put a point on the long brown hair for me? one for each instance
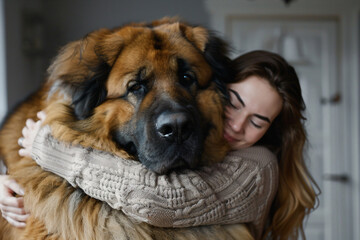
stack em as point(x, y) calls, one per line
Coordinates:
point(286, 137)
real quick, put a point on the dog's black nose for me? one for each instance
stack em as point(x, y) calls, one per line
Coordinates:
point(174, 126)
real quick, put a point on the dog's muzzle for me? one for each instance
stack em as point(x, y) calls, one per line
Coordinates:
point(170, 138)
point(174, 127)
point(167, 136)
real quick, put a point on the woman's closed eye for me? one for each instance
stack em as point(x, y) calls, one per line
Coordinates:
point(235, 105)
point(255, 124)
point(259, 121)
point(235, 100)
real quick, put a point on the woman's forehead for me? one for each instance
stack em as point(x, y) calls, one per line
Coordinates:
point(258, 95)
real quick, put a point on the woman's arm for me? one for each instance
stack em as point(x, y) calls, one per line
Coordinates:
point(230, 192)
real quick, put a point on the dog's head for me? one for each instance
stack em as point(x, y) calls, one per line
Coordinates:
point(154, 89)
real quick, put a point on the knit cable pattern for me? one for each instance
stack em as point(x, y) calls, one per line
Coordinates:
point(239, 189)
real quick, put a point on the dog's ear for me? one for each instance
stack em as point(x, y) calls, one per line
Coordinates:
point(90, 93)
point(197, 35)
point(215, 51)
point(216, 54)
point(81, 69)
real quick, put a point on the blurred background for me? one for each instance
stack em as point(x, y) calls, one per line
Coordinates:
point(320, 38)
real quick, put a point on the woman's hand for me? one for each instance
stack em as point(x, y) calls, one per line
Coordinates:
point(29, 133)
point(12, 208)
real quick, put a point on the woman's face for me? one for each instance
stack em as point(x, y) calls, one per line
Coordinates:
point(254, 106)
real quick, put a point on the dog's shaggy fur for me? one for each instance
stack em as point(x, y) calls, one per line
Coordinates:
point(115, 90)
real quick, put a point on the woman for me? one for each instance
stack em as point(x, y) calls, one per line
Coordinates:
point(265, 109)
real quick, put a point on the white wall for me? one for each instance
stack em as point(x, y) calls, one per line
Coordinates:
point(3, 93)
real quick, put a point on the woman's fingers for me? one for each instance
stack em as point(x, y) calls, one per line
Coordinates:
point(29, 132)
point(41, 115)
point(25, 131)
point(14, 222)
point(16, 217)
point(13, 202)
point(15, 187)
point(24, 152)
point(29, 123)
point(7, 209)
point(20, 141)
point(30, 129)
point(12, 208)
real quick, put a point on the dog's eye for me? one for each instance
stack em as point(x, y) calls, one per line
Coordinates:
point(187, 79)
point(135, 87)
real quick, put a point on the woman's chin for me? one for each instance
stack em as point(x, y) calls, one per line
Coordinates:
point(238, 146)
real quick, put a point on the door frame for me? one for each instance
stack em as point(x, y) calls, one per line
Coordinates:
point(348, 14)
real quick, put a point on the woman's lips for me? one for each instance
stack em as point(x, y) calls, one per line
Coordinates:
point(229, 138)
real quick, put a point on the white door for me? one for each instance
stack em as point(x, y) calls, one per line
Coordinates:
point(311, 46)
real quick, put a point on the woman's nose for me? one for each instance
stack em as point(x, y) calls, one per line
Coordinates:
point(238, 123)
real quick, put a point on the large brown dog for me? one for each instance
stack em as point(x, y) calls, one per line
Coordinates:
point(149, 92)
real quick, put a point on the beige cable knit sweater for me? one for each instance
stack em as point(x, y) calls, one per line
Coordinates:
point(238, 190)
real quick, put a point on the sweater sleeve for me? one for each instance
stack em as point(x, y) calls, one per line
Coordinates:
point(63, 159)
point(240, 189)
